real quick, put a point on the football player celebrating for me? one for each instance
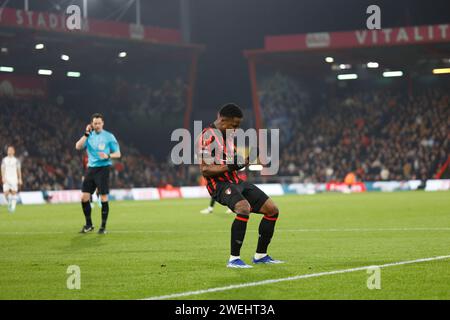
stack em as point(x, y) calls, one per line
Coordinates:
point(226, 187)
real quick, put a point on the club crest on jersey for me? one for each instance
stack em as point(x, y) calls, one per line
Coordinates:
point(228, 191)
point(101, 146)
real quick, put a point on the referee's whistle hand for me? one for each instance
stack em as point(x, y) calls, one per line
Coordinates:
point(103, 155)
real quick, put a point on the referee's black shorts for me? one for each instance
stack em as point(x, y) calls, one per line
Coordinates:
point(228, 194)
point(96, 178)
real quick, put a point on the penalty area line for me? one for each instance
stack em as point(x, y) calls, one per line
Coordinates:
point(303, 276)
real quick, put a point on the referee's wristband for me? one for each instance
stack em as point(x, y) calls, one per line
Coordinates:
point(86, 134)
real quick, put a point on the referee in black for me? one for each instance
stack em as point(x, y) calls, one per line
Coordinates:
point(101, 147)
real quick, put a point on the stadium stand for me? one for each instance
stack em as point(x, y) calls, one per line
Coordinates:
point(49, 160)
point(381, 135)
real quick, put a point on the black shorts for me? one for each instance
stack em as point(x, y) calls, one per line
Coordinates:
point(96, 178)
point(228, 194)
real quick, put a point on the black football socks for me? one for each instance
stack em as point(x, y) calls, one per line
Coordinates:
point(105, 212)
point(266, 230)
point(238, 229)
point(87, 212)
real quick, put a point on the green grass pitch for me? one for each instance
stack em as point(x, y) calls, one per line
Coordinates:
point(164, 247)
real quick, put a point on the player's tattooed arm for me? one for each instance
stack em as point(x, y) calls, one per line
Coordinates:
point(210, 166)
point(212, 170)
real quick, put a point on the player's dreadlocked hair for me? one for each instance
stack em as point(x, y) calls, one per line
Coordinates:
point(231, 110)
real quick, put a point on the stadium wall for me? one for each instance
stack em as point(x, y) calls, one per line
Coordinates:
point(273, 189)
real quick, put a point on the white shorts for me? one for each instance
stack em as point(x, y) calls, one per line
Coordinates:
point(10, 187)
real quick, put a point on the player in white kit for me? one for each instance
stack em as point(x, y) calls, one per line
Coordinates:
point(11, 178)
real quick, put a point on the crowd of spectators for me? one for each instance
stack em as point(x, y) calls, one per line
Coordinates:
point(44, 136)
point(378, 135)
point(143, 101)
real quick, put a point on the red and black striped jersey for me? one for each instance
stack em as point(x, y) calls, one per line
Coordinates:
point(212, 146)
point(242, 174)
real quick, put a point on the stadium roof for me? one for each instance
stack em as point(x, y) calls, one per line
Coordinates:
point(408, 48)
point(44, 24)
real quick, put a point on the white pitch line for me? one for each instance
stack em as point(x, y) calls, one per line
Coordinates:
point(19, 233)
point(366, 229)
point(303, 276)
point(227, 231)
